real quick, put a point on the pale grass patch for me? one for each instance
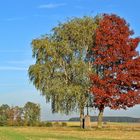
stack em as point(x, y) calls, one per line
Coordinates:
point(116, 131)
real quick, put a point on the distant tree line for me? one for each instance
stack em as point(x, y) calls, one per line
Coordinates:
point(110, 119)
point(29, 115)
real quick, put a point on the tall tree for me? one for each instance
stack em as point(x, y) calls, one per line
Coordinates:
point(4, 109)
point(31, 114)
point(62, 68)
point(116, 82)
point(11, 116)
point(18, 116)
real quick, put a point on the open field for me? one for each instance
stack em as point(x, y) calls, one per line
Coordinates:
point(111, 131)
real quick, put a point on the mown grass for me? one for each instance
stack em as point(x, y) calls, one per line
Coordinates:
point(111, 131)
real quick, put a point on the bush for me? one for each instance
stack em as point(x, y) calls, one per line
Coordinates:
point(49, 124)
point(104, 123)
point(64, 124)
point(42, 124)
point(56, 124)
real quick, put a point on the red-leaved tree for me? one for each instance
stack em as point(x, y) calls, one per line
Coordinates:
point(116, 82)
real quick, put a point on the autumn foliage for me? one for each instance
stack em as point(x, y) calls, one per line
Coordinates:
point(116, 82)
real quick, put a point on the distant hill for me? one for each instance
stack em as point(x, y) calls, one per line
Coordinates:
point(111, 119)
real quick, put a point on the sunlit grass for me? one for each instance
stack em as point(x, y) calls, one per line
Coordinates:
point(110, 131)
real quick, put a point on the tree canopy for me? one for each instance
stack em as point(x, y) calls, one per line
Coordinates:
point(116, 82)
point(31, 114)
point(20, 116)
point(62, 68)
point(84, 55)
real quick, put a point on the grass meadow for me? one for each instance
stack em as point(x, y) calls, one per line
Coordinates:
point(110, 131)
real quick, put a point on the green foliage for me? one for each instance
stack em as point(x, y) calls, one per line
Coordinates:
point(56, 124)
point(19, 116)
point(4, 109)
point(49, 124)
point(64, 124)
point(41, 124)
point(31, 114)
point(62, 68)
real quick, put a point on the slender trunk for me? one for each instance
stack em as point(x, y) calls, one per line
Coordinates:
point(100, 118)
point(81, 118)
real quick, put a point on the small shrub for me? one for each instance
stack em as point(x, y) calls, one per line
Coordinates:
point(42, 124)
point(105, 123)
point(56, 124)
point(49, 124)
point(64, 124)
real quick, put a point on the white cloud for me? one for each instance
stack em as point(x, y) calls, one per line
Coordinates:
point(51, 5)
point(14, 18)
point(4, 68)
point(21, 62)
point(11, 85)
point(79, 7)
point(13, 51)
point(16, 52)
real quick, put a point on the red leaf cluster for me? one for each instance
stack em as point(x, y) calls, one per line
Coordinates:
point(116, 82)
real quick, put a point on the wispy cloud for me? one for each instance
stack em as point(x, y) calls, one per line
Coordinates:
point(14, 51)
point(79, 7)
point(51, 5)
point(41, 16)
point(5, 68)
point(21, 62)
point(10, 85)
point(14, 18)
point(112, 6)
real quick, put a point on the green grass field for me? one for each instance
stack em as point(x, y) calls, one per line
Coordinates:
point(111, 131)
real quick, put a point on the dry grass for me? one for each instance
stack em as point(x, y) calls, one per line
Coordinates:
point(111, 131)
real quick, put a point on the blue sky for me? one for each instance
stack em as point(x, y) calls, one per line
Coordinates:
point(23, 20)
